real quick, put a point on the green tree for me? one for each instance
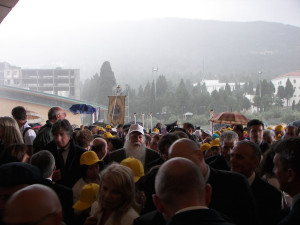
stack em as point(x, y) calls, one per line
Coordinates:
point(227, 89)
point(161, 86)
point(281, 92)
point(182, 97)
point(107, 82)
point(289, 91)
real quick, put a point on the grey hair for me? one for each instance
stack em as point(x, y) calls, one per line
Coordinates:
point(228, 136)
point(45, 161)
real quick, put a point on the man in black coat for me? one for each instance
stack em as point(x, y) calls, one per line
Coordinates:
point(231, 194)
point(45, 161)
point(135, 147)
point(287, 171)
point(256, 134)
point(228, 140)
point(245, 158)
point(182, 194)
point(66, 154)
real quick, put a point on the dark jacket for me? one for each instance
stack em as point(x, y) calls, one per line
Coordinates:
point(65, 195)
point(268, 200)
point(293, 217)
point(232, 197)
point(219, 163)
point(43, 137)
point(150, 218)
point(197, 217)
point(71, 170)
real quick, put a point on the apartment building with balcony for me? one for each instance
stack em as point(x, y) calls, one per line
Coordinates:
point(58, 81)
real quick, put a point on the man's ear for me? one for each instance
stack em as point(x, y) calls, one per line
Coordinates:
point(208, 189)
point(291, 175)
point(157, 203)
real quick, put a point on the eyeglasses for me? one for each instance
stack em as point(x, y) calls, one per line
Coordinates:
point(34, 223)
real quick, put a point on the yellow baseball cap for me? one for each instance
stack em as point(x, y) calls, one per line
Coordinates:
point(215, 142)
point(88, 195)
point(279, 128)
point(135, 165)
point(205, 146)
point(107, 126)
point(108, 135)
point(89, 158)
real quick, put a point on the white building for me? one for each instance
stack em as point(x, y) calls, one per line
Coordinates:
point(295, 80)
point(212, 85)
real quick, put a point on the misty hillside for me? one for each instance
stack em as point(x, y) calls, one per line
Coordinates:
point(185, 47)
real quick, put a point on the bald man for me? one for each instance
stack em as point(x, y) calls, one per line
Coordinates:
point(34, 204)
point(231, 194)
point(182, 195)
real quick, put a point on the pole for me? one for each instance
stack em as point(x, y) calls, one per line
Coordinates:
point(147, 122)
point(143, 118)
point(134, 118)
point(113, 112)
point(211, 115)
point(151, 120)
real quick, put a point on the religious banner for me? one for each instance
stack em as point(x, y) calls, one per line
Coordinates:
point(116, 110)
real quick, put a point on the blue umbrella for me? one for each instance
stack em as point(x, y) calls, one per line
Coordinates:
point(82, 109)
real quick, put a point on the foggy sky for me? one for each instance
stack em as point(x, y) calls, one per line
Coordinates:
point(42, 34)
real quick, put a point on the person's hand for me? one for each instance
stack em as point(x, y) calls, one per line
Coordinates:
point(81, 127)
point(57, 175)
point(92, 220)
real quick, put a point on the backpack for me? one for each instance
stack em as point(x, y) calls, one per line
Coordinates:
point(24, 132)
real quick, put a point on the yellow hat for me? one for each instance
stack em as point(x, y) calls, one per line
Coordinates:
point(101, 128)
point(269, 128)
point(215, 142)
point(279, 128)
point(89, 158)
point(155, 130)
point(108, 135)
point(135, 165)
point(88, 195)
point(218, 132)
point(229, 128)
point(107, 126)
point(205, 147)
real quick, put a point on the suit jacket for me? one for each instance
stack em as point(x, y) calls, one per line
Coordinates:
point(71, 170)
point(219, 163)
point(65, 195)
point(293, 217)
point(197, 217)
point(232, 197)
point(120, 154)
point(268, 200)
point(264, 146)
point(151, 218)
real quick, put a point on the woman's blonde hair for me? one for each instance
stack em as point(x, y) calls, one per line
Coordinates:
point(12, 134)
point(122, 177)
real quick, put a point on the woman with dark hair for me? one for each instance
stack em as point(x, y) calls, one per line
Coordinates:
point(89, 166)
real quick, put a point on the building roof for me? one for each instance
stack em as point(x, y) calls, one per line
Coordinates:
point(40, 98)
point(5, 7)
point(287, 75)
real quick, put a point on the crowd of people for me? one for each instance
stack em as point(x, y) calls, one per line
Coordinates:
point(172, 175)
